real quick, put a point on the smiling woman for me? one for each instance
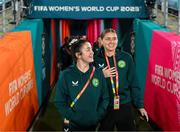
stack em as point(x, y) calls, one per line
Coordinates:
point(81, 89)
point(119, 69)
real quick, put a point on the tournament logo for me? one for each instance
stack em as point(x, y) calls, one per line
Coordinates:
point(121, 64)
point(95, 82)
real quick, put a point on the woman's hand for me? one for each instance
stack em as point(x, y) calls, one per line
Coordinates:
point(109, 72)
point(143, 113)
point(66, 121)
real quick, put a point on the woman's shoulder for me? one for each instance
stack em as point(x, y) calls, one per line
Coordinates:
point(124, 54)
point(67, 71)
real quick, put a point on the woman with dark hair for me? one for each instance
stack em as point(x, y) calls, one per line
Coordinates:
point(81, 95)
point(119, 71)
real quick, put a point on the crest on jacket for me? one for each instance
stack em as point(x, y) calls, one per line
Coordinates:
point(121, 63)
point(95, 82)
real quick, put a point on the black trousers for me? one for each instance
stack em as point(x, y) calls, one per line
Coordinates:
point(73, 127)
point(123, 119)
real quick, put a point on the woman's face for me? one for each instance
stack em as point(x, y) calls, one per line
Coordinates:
point(110, 41)
point(86, 53)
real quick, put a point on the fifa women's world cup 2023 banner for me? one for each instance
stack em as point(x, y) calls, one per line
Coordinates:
point(86, 9)
point(162, 93)
point(18, 92)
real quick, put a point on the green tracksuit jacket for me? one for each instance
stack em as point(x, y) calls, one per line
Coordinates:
point(128, 85)
point(91, 106)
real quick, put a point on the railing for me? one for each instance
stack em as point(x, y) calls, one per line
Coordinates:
point(168, 15)
point(11, 13)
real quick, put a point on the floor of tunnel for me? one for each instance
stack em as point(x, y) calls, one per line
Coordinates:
point(50, 119)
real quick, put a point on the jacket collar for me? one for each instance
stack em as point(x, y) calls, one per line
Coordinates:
point(80, 72)
point(101, 52)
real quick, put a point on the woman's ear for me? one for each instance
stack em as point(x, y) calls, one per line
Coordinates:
point(78, 54)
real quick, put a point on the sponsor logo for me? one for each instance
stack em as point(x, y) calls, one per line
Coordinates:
point(66, 130)
point(74, 84)
point(101, 65)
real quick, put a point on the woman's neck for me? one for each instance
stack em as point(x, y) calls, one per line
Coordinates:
point(110, 53)
point(83, 67)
